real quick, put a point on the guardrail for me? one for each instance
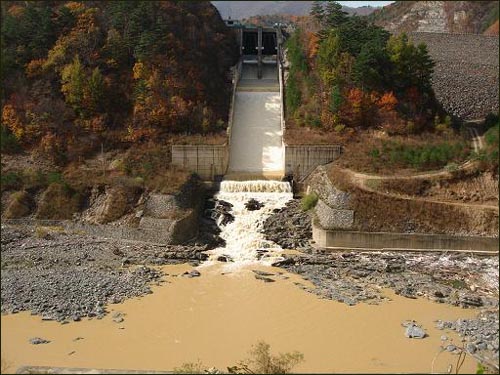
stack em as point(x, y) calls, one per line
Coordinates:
point(236, 79)
point(282, 103)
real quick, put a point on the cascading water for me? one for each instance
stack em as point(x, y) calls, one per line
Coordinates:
point(245, 242)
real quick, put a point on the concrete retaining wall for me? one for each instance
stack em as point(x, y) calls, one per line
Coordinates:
point(206, 160)
point(401, 241)
point(301, 160)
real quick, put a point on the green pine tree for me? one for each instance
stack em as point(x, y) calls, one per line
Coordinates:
point(317, 11)
point(334, 15)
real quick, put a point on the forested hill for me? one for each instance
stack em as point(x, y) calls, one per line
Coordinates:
point(144, 68)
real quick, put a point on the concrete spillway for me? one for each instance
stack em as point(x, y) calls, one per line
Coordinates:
point(256, 140)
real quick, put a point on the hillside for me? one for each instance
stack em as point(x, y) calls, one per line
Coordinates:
point(437, 16)
point(120, 71)
point(246, 9)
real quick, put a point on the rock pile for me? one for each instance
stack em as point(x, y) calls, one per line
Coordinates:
point(481, 334)
point(289, 227)
point(253, 205)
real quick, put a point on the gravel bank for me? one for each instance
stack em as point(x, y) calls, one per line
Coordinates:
point(68, 277)
point(355, 277)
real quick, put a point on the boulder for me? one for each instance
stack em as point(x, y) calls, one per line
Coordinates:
point(253, 205)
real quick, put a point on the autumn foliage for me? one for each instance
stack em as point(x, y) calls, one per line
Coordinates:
point(346, 73)
point(146, 69)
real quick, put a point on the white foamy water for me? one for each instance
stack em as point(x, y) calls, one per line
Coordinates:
point(243, 236)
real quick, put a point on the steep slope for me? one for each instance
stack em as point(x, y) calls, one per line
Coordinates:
point(437, 16)
point(246, 9)
point(465, 79)
point(144, 69)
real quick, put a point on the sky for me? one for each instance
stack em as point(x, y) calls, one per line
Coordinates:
point(355, 4)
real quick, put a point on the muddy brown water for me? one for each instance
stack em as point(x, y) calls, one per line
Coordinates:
point(217, 317)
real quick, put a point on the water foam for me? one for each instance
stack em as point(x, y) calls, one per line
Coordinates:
point(257, 186)
point(245, 242)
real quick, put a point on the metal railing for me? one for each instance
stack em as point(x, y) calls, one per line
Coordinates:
point(236, 80)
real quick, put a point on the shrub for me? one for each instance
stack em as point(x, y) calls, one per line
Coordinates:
point(490, 120)
point(488, 156)
point(34, 179)
point(374, 153)
point(309, 201)
point(8, 142)
point(262, 362)
point(58, 201)
point(10, 180)
point(339, 128)
point(190, 368)
point(20, 204)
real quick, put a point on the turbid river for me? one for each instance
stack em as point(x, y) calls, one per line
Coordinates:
point(217, 317)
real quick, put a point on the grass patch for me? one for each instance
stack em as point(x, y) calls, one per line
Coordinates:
point(309, 201)
point(397, 154)
point(45, 231)
point(378, 153)
point(373, 184)
point(41, 232)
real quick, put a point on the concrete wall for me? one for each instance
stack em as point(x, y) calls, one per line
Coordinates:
point(300, 160)
point(400, 241)
point(206, 160)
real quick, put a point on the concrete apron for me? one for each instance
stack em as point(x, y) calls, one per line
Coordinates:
point(344, 240)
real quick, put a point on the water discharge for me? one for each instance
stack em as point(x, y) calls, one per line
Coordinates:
point(245, 242)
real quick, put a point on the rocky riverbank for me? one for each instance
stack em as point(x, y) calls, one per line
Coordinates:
point(64, 276)
point(354, 277)
point(459, 280)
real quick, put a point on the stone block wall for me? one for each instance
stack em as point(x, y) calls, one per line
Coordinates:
point(159, 205)
point(334, 218)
